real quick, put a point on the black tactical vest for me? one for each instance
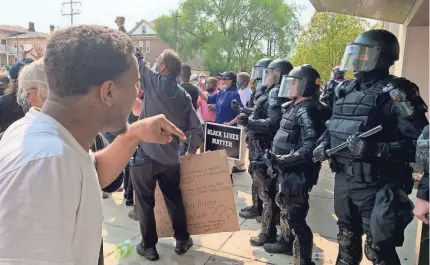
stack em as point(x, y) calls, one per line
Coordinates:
point(355, 111)
point(260, 112)
point(288, 135)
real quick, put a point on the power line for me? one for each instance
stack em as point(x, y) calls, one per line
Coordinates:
point(74, 9)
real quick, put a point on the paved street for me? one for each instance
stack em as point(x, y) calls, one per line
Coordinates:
point(234, 248)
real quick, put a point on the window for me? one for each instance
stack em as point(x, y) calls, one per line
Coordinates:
point(148, 46)
point(143, 29)
point(141, 45)
point(14, 44)
point(3, 42)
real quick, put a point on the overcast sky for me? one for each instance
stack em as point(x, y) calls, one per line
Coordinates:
point(46, 12)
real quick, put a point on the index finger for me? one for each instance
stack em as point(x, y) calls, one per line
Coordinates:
point(169, 127)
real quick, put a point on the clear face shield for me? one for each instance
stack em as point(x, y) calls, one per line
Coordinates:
point(292, 87)
point(271, 77)
point(257, 72)
point(359, 58)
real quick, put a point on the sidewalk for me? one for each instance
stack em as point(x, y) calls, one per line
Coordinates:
point(234, 248)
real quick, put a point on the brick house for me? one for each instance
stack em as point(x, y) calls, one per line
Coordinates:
point(147, 39)
point(13, 37)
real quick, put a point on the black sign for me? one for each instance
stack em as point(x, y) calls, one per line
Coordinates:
point(220, 137)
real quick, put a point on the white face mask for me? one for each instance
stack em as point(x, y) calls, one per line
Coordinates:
point(154, 67)
point(203, 81)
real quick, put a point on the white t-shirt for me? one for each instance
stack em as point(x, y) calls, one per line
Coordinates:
point(245, 95)
point(50, 198)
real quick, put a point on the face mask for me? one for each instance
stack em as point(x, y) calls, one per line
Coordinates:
point(203, 81)
point(239, 85)
point(154, 67)
point(211, 89)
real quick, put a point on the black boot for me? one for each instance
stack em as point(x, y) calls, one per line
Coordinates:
point(149, 253)
point(133, 214)
point(280, 247)
point(248, 213)
point(183, 245)
point(262, 239)
point(286, 239)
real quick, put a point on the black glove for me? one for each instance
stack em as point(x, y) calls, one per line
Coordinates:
point(235, 106)
point(320, 152)
point(242, 119)
point(270, 159)
point(358, 147)
point(273, 172)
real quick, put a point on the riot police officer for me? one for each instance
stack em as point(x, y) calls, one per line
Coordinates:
point(337, 76)
point(373, 175)
point(257, 77)
point(261, 127)
point(421, 210)
point(290, 161)
point(256, 208)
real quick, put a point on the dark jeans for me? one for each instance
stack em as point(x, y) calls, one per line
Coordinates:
point(128, 187)
point(145, 174)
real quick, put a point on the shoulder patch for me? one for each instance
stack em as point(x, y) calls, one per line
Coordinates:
point(344, 87)
point(274, 100)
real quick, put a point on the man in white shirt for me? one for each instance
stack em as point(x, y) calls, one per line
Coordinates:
point(245, 95)
point(244, 91)
point(48, 181)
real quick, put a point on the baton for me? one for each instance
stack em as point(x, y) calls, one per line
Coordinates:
point(342, 146)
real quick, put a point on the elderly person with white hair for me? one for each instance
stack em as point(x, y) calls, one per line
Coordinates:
point(32, 86)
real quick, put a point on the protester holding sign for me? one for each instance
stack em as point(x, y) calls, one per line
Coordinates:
point(160, 163)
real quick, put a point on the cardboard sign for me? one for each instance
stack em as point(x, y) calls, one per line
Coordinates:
point(223, 137)
point(207, 193)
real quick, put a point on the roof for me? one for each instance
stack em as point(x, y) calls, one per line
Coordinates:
point(29, 34)
point(386, 10)
point(12, 28)
point(149, 23)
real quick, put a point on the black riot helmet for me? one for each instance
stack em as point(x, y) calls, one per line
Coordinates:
point(376, 49)
point(336, 73)
point(257, 70)
point(272, 75)
point(302, 81)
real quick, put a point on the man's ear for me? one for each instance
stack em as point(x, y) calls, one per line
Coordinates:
point(107, 90)
point(32, 97)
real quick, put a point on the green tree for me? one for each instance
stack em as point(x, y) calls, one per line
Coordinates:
point(322, 44)
point(230, 33)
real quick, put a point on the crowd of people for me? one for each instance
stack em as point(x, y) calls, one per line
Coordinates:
point(89, 116)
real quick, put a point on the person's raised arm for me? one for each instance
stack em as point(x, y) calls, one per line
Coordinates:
point(113, 159)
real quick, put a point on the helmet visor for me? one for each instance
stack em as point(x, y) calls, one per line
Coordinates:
point(257, 72)
point(291, 87)
point(271, 76)
point(359, 58)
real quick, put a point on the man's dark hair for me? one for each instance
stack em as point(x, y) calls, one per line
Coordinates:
point(186, 72)
point(79, 57)
point(172, 61)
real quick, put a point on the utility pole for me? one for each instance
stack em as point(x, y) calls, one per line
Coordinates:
point(74, 9)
